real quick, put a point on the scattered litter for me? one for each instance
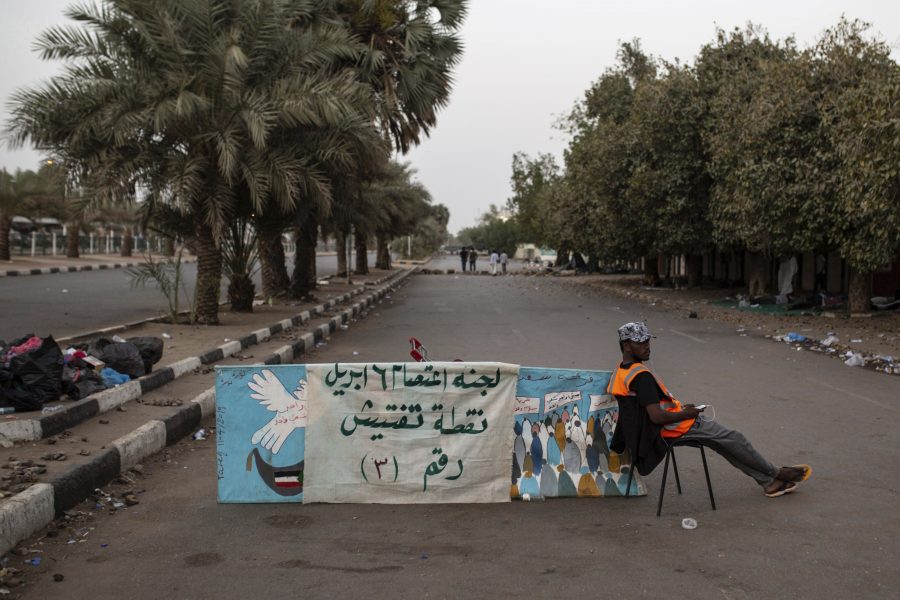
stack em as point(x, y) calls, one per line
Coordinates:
point(855, 359)
point(830, 340)
point(57, 577)
point(167, 336)
point(321, 344)
point(36, 561)
point(227, 339)
point(856, 341)
point(795, 337)
point(65, 291)
point(49, 410)
point(104, 545)
point(258, 302)
point(741, 330)
point(688, 523)
point(355, 353)
point(199, 435)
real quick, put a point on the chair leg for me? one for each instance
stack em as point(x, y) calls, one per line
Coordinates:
point(675, 469)
point(662, 487)
point(712, 499)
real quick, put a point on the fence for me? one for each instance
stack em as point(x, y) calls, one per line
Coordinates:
point(53, 244)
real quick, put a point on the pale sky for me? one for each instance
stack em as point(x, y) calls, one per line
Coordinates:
point(526, 63)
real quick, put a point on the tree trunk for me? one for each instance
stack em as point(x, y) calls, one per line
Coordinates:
point(272, 264)
point(383, 253)
point(758, 276)
point(241, 291)
point(72, 249)
point(127, 242)
point(340, 244)
point(362, 254)
point(304, 280)
point(5, 225)
point(209, 274)
point(169, 246)
point(694, 270)
point(651, 271)
point(562, 256)
point(859, 292)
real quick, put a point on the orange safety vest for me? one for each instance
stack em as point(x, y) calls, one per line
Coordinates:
point(619, 385)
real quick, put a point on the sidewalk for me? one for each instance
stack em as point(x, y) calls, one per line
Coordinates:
point(92, 442)
point(43, 265)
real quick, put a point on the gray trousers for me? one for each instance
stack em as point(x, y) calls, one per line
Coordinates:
point(734, 447)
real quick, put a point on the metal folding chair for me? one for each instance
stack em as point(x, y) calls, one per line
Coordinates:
point(670, 452)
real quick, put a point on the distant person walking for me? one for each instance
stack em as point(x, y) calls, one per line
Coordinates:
point(463, 257)
point(504, 258)
point(473, 256)
point(495, 258)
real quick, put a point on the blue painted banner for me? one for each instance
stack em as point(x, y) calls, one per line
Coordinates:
point(562, 424)
point(260, 433)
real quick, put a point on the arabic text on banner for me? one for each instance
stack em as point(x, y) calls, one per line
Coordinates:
point(409, 432)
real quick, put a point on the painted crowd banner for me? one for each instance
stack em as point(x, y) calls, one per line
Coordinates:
point(268, 416)
point(404, 433)
point(564, 422)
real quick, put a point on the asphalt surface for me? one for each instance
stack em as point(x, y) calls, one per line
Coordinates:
point(836, 537)
point(65, 304)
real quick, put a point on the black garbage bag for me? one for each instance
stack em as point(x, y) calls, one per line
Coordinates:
point(81, 381)
point(123, 357)
point(151, 349)
point(33, 378)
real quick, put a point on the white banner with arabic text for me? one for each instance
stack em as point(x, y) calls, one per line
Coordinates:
point(399, 433)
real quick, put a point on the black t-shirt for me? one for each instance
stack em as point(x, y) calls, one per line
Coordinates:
point(644, 387)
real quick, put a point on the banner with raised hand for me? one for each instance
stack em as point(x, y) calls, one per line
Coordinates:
point(409, 432)
point(261, 421)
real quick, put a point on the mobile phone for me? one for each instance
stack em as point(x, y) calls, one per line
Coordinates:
point(701, 407)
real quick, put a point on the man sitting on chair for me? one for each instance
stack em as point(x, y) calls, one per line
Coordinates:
point(650, 417)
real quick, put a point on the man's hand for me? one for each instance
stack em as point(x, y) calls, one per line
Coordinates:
point(690, 411)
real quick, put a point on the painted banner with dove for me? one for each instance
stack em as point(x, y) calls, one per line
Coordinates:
point(561, 425)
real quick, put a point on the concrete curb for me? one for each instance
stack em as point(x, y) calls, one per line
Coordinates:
point(76, 268)
point(35, 508)
point(43, 426)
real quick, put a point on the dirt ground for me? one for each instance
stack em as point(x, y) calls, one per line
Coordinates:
point(876, 337)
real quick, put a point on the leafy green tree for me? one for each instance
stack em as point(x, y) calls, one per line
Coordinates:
point(669, 182)
point(599, 166)
point(861, 116)
point(761, 139)
point(531, 182)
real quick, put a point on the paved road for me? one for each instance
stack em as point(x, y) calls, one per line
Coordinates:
point(66, 304)
point(836, 537)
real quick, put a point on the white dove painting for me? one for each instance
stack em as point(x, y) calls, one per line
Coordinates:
point(262, 419)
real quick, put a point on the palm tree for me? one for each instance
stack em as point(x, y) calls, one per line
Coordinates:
point(398, 204)
point(411, 48)
point(195, 100)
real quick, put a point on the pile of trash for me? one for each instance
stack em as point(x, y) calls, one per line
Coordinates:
point(831, 345)
point(35, 370)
